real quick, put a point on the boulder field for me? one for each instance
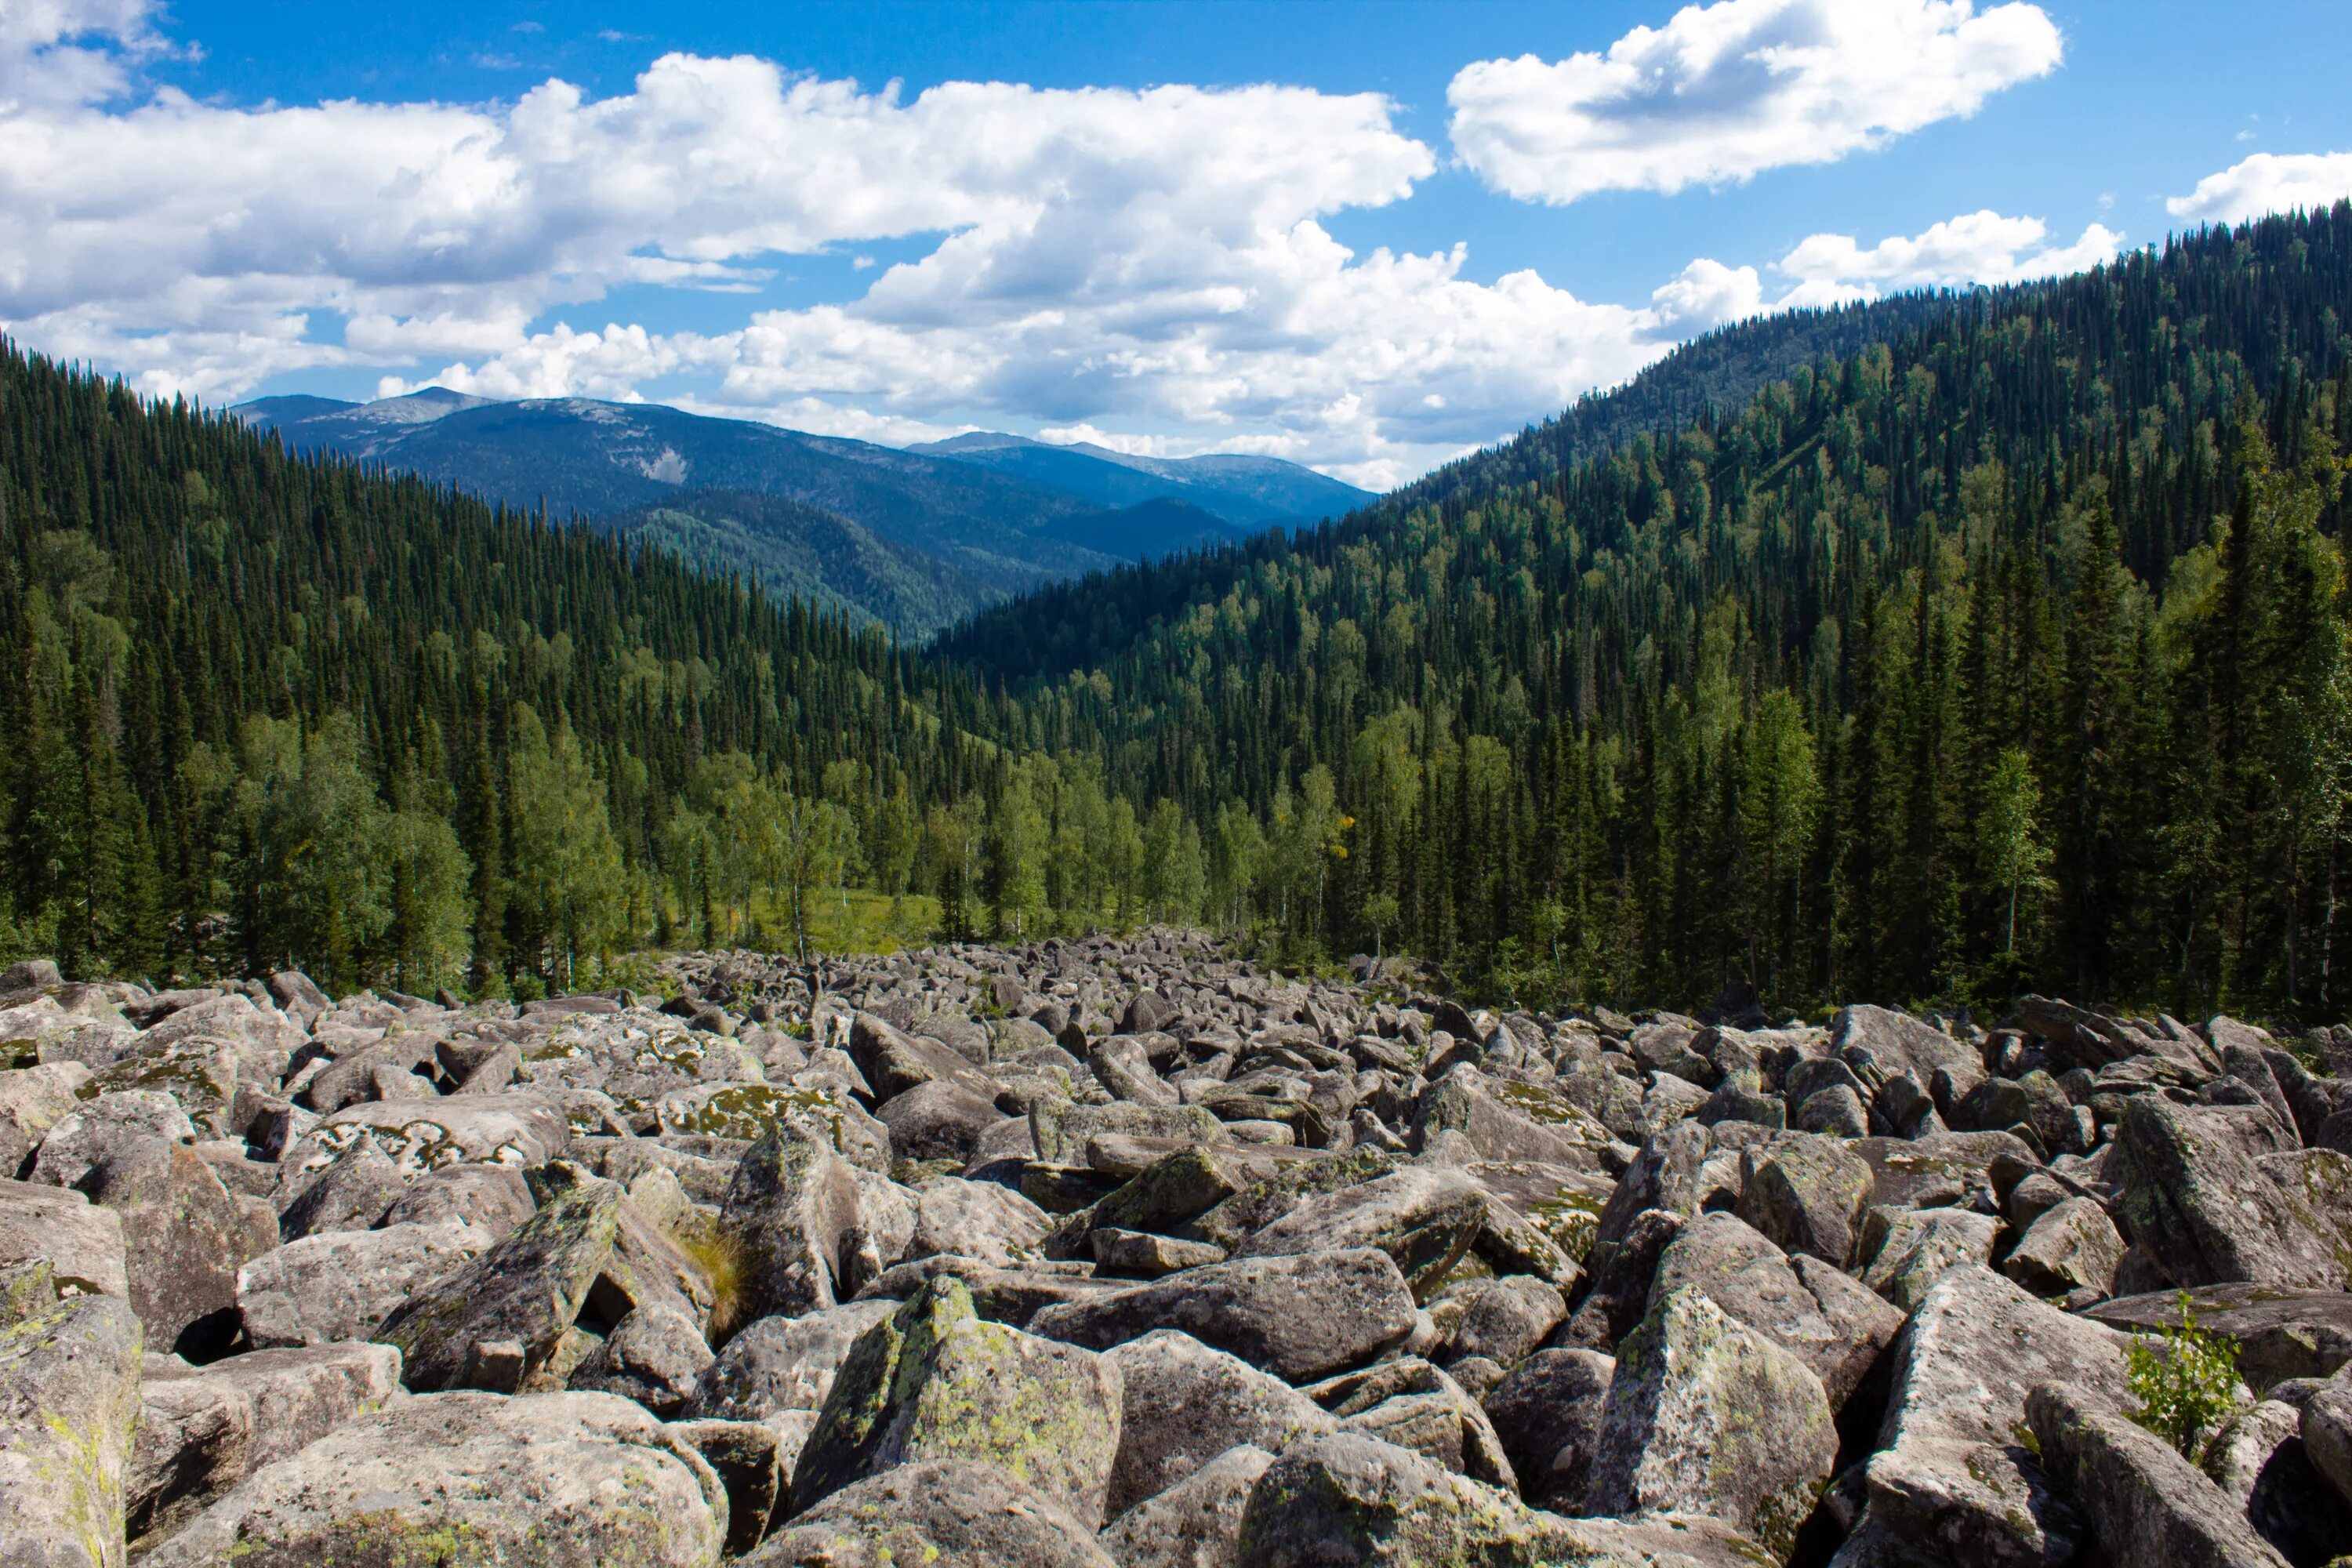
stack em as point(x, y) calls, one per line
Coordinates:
point(1134, 1254)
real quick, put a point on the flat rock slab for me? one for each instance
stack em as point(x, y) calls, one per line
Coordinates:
point(548, 1480)
point(1300, 1317)
point(2283, 1332)
point(81, 1242)
point(942, 1511)
point(68, 1409)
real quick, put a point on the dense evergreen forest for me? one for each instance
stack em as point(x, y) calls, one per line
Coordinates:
point(2011, 652)
point(2007, 650)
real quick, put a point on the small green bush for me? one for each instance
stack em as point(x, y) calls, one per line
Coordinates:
point(2186, 1381)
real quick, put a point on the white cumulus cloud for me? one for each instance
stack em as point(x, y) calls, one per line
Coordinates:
point(1722, 93)
point(1976, 248)
point(2267, 182)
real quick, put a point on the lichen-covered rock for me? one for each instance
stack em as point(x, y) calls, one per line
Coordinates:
point(937, 1382)
point(1508, 1121)
point(1835, 1326)
point(1922, 1246)
point(942, 1511)
point(494, 1199)
point(1347, 1500)
point(1707, 1416)
point(2327, 1433)
point(977, 1219)
point(1300, 1317)
point(2259, 1461)
point(1547, 1413)
point(1182, 1403)
point(1808, 1195)
point(81, 1243)
point(2074, 1246)
point(1953, 1476)
point(793, 1211)
point(1425, 1218)
point(655, 1355)
point(1413, 1405)
point(521, 1130)
point(547, 1480)
point(2210, 1210)
point(1047, 1413)
point(68, 1411)
point(1503, 1319)
point(1195, 1523)
point(2145, 1502)
point(32, 1100)
point(187, 1237)
point(340, 1285)
point(748, 1456)
point(783, 1363)
point(202, 1430)
point(80, 1142)
point(496, 1321)
point(355, 1193)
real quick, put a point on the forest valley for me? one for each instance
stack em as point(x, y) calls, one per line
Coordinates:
point(2007, 652)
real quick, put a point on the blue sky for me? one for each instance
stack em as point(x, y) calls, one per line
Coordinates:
point(1364, 237)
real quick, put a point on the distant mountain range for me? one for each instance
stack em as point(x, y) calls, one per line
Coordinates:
point(915, 538)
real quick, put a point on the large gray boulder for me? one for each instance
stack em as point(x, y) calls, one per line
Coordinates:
point(2327, 1433)
point(655, 1355)
point(1347, 1500)
point(1183, 1404)
point(1707, 1416)
point(2073, 1247)
point(1832, 1324)
point(1422, 1217)
point(1922, 1246)
point(202, 1430)
point(2212, 1205)
point(935, 1380)
point(2144, 1501)
point(793, 1211)
point(188, 1237)
point(1506, 1120)
point(977, 1219)
point(1300, 1317)
point(1547, 1414)
point(546, 1480)
point(32, 1100)
point(1195, 1523)
point(2281, 1332)
point(495, 1322)
point(81, 1243)
point(1952, 1474)
point(68, 1413)
point(340, 1285)
point(782, 1364)
point(936, 1511)
point(1808, 1193)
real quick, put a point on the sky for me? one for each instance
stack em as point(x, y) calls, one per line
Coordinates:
point(1366, 237)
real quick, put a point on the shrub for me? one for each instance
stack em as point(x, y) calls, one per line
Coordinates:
point(2186, 1381)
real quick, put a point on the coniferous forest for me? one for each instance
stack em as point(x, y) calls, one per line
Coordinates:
point(1998, 644)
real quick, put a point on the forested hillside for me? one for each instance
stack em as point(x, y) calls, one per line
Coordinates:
point(2011, 652)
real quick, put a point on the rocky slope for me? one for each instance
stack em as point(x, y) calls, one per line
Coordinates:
point(1130, 1254)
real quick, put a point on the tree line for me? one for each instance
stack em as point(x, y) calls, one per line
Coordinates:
point(2007, 652)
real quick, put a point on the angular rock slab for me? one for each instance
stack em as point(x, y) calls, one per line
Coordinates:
point(943, 1512)
point(68, 1411)
point(340, 1286)
point(1183, 1404)
point(782, 1364)
point(1352, 1501)
point(1952, 1473)
point(2212, 1210)
point(1832, 1324)
point(1195, 1523)
point(80, 1241)
point(1300, 1317)
point(1707, 1416)
point(498, 1320)
point(2145, 1502)
point(547, 1480)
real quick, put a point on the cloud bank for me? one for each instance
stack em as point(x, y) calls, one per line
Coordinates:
point(1083, 259)
point(1722, 92)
